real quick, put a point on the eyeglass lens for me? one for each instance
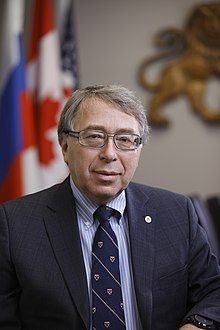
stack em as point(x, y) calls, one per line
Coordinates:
point(97, 139)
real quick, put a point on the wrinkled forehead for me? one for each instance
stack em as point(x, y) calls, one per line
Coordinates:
point(93, 102)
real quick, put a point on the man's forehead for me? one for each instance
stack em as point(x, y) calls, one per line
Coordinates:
point(91, 113)
point(93, 102)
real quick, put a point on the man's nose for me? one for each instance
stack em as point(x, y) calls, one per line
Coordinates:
point(109, 152)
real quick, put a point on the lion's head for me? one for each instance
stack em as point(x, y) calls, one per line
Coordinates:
point(203, 28)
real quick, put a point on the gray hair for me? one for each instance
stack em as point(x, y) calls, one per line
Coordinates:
point(124, 99)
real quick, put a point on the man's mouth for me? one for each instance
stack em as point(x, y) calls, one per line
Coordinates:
point(107, 172)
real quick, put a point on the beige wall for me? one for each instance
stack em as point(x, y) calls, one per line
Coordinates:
point(113, 37)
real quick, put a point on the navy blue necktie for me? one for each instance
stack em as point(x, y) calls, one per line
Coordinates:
point(107, 303)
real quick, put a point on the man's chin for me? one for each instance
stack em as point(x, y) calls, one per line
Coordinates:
point(105, 194)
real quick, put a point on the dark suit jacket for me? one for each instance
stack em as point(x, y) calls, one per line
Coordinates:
point(42, 274)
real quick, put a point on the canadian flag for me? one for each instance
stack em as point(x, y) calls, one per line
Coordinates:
point(45, 83)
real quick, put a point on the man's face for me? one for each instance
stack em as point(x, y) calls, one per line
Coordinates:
point(101, 174)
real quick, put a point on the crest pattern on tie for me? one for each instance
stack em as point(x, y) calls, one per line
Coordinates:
point(107, 301)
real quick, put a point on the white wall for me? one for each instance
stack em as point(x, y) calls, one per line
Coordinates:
point(113, 38)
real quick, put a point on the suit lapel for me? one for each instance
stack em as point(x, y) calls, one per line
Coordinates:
point(62, 228)
point(142, 249)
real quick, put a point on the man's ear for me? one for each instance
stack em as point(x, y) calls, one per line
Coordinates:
point(64, 147)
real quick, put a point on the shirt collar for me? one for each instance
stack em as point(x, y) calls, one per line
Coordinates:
point(87, 207)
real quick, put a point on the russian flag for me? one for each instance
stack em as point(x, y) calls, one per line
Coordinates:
point(16, 116)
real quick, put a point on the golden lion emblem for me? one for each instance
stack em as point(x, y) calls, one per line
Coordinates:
point(198, 49)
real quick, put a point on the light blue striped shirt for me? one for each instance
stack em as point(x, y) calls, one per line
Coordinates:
point(87, 228)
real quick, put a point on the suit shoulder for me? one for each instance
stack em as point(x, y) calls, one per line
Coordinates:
point(168, 204)
point(158, 193)
point(31, 209)
point(33, 200)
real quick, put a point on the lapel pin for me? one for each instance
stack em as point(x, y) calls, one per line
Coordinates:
point(148, 219)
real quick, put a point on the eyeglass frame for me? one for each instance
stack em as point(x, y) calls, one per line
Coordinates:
point(107, 135)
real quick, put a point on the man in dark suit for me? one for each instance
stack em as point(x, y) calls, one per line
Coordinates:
point(168, 276)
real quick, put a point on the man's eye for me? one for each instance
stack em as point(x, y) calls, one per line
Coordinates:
point(94, 136)
point(123, 138)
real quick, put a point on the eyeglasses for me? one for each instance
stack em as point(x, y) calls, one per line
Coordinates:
point(97, 139)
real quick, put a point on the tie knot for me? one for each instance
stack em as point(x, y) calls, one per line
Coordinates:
point(104, 213)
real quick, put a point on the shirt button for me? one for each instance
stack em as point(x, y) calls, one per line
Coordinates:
point(148, 219)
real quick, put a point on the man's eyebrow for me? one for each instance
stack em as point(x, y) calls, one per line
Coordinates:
point(95, 127)
point(102, 128)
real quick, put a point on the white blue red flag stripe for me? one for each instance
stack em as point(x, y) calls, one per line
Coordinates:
point(11, 140)
point(13, 101)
